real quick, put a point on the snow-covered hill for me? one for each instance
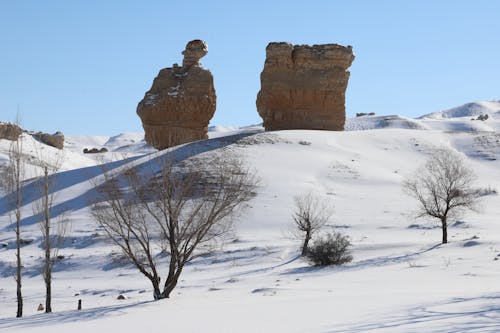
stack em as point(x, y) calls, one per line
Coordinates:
point(473, 109)
point(462, 118)
point(401, 279)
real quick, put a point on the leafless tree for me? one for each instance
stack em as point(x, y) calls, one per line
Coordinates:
point(42, 208)
point(179, 210)
point(310, 215)
point(442, 187)
point(13, 184)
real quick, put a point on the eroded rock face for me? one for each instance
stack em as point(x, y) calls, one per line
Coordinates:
point(181, 102)
point(9, 131)
point(55, 140)
point(303, 87)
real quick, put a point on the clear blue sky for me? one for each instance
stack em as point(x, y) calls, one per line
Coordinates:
point(82, 66)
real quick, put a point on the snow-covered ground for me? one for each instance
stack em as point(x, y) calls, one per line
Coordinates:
point(401, 278)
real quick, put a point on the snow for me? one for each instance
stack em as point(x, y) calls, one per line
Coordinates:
point(468, 110)
point(150, 99)
point(401, 278)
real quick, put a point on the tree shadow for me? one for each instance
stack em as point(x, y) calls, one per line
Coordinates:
point(484, 318)
point(269, 268)
point(58, 182)
point(363, 264)
point(64, 180)
point(67, 316)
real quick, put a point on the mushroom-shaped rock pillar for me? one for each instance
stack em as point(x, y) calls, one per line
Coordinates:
point(181, 101)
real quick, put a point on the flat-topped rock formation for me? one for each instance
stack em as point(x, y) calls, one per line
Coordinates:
point(303, 87)
point(181, 102)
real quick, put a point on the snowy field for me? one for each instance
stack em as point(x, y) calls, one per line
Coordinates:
point(401, 279)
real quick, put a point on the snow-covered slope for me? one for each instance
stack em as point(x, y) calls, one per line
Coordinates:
point(400, 280)
point(473, 109)
point(462, 118)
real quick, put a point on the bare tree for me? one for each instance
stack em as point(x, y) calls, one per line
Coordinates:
point(180, 210)
point(310, 215)
point(442, 187)
point(14, 177)
point(42, 208)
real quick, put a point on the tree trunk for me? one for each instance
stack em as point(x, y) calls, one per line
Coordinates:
point(171, 283)
point(157, 294)
point(48, 263)
point(48, 296)
point(18, 277)
point(445, 230)
point(306, 243)
point(18, 252)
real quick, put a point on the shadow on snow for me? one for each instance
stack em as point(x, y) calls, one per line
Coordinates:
point(70, 178)
point(484, 318)
point(67, 316)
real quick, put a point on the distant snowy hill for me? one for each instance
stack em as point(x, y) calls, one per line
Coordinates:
point(462, 118)
point(379, 122)
point(467, 110)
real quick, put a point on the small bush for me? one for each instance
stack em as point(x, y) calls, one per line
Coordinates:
point(330, 249)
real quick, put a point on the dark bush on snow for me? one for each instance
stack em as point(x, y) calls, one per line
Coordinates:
point(330, 249)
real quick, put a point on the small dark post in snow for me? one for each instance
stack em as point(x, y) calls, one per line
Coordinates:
point(79, 304)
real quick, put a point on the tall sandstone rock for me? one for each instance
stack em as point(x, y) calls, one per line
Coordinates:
point(303, 87)
point(181, 102)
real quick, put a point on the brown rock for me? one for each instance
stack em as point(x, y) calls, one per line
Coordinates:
point(55, 140)
point(195, 50)
point(95, 150)
point(40, 307)
point(181, 102)
point(303, 87)
point(9, 131)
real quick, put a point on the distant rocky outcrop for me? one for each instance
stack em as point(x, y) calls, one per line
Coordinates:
point(94, 150)
point(9, 131)
point(181, 102)
point(362, 114)
point(55, 140)
point(303, 87)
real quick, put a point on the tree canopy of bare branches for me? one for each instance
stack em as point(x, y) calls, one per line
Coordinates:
point(180, 210)
point(42, 209)
point(310, 215)
point(442, 187)
point(14, 177)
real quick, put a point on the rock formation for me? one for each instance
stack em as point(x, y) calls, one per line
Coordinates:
point(9, 131)
point(181, 102)
point(55, 140)
point(95, 150)
point(303, 87)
